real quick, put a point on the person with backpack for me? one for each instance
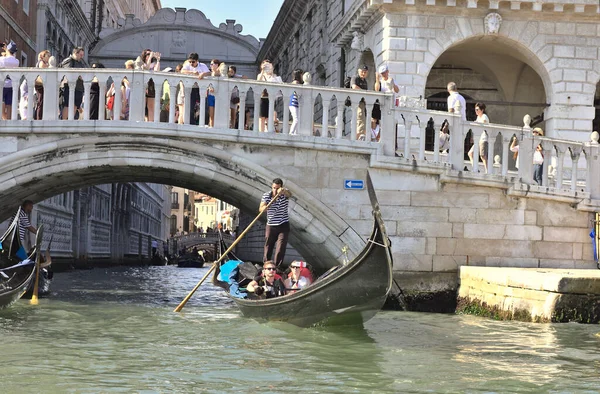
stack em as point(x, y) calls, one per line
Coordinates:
point(73, 61)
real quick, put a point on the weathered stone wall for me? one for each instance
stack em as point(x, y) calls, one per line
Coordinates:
point(539, 55)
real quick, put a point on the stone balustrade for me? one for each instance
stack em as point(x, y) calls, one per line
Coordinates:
point(324, 112)
point(191, 239)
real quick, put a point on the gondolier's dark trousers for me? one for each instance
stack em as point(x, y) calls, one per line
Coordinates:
point(276, 237)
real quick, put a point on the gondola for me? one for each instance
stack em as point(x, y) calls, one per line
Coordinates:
point(190, 260)
point(18, 271)
point(348, 294)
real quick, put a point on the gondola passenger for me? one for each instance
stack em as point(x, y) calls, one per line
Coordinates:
point(267, 285)
point(299, 277)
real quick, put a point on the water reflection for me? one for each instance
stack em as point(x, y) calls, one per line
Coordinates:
point(113, 330)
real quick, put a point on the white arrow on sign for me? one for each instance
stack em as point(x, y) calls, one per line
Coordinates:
point(350, 184)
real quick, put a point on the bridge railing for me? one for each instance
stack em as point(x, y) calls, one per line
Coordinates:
point(569, 166)
point(319, 107)
point(323, 111)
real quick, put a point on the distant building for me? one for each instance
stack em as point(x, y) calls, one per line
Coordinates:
point(18, 23)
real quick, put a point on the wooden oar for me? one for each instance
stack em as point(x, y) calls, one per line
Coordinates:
point(38, 267)
point(34, 296)
point(187, 298)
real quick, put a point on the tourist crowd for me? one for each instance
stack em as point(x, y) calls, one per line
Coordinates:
point(150, 60)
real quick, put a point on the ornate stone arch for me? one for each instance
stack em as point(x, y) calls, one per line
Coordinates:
point(525, 41)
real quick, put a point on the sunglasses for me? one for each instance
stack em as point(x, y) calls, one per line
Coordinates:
point(270, 269)
point(294, 267)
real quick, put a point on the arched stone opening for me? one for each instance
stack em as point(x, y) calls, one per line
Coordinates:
point(596, 124)
point(507, 77)
point(318, 233)
point(368, 59)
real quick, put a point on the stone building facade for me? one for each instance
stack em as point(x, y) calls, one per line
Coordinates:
point(111, 221)
point(17, 23)
point(537, 58)
point(176, 33)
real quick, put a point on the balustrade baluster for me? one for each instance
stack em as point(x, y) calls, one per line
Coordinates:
point(30, 95)
point(354, 123)
point(158, 87)
point(505, 151)
point(547, 160)
point(256, 119)
point(86, 100)
point(560, 158)
point(14, 110)
point(71, 110)
point(188, 106)
point(118, 103)
point(575, 162)
point(422, 131)
point(242, 110)
point(407, 138)
point(285, 129)
point(101, 99)
point(436, 144)
point(339, 126)
point(172, 100)
point(325, 118)
point(271, 119)
point(202, 118)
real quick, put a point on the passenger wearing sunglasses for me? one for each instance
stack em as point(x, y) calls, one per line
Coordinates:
point(269, 285)
point(296, 280)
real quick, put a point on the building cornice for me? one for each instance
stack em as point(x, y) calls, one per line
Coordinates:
point(290, 13)
point(360, 17)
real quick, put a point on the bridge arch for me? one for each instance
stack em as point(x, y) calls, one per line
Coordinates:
point(50, 168)
point(494, 69)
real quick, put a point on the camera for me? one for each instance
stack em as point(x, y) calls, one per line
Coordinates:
point(259, 290)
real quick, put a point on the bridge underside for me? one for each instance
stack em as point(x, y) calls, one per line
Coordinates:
point(47, 169)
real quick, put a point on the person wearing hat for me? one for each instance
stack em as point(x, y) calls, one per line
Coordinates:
point(359, 82)
point(298, 277)
point(538, 155)
point(8, 60)
point(383, 83)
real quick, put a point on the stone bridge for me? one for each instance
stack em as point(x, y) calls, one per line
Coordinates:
point(438, 215)
point(196, 239)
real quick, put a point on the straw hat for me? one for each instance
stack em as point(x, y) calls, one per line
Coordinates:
point(538, 130)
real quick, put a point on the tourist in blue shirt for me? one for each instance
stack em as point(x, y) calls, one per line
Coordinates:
point(278, 221)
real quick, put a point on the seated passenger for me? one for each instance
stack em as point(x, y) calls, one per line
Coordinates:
point(267, 285)
point(296, 280)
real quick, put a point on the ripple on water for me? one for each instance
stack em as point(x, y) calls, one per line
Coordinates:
point(114, 330)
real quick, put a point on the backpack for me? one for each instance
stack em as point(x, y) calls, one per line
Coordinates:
point(347, 82)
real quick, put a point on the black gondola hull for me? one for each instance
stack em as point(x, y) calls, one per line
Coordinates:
point(20, 278)
point(350, 295)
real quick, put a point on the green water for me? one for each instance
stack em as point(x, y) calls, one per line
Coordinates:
point(113, 330)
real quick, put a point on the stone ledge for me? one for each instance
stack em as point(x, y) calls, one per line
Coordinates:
point(530, 294)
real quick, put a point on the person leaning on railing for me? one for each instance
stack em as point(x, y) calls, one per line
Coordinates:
point(73, 61)
point(383, 83)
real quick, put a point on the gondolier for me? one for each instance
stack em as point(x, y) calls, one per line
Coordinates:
point(278, 221)
point(24, 221)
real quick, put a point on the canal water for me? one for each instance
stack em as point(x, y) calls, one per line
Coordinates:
point(114, 330)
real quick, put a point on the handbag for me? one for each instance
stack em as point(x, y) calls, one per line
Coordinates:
point(110, 103)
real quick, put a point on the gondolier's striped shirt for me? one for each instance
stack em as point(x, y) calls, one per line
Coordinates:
point(24, 224)
point(278, 212)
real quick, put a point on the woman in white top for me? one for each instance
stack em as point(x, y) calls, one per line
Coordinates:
point(483, 140)
point(538, 156)
point(149, 60)
point(266, 75)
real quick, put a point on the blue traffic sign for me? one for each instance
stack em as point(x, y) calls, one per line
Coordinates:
point(354, 184)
